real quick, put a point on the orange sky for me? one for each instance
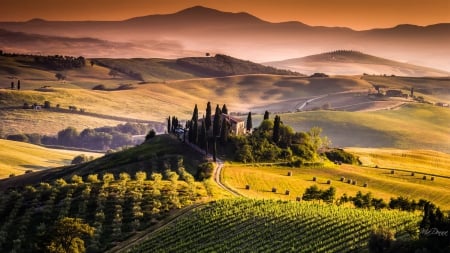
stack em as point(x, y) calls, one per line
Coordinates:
point(356, 14)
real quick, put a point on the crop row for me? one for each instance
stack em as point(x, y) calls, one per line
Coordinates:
point(246, 225)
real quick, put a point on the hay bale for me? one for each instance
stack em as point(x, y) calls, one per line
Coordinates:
point(432, 178)
point(354, 182)
point(342, 179)
point(298, 199)
point(366, 185)
point(247, 187)
point(412, 174)
point(289, 173)
point(349, 181)
point(287, 192)
point(314, 179)
point(424, 178)
point(328, 181)
point(274, 190)
point(392, 171)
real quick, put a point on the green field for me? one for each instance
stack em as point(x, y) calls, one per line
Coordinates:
point(380, 182)
point(412, 126)
point(18, 157)
point(248, 225)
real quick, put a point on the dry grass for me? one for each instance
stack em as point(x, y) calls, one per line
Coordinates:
point(18, 157)
point(381, 183)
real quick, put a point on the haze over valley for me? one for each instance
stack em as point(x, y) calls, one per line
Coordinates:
point(224, 128)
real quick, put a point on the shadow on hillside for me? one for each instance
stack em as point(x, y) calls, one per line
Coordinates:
point(34, 167)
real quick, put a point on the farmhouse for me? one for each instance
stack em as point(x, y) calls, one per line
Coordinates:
point(394, 93)
point(237, 126)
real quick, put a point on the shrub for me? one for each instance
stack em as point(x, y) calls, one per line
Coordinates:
point(205, 170)
point(80, 159)
point(341, 155)
point(380, 239)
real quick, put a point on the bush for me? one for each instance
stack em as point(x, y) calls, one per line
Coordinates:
point(80, 159)
point(205, 170)
point(150, 135)
point(340, 155)
point(380, 240)
point(18, 137)
point(99, 87)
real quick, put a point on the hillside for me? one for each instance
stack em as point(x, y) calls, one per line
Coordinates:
point(160, 153)
point(410, 126)
point(197, 30)
point(18, 157)
point(344, 62)
point(246, 225)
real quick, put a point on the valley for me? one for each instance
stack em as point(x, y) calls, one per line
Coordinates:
point(213, 131)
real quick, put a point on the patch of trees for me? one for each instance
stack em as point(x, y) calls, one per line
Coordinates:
point(120, 87)
point(274, 141)
point(319, 75)
point(102, 138)
point(224, 65)
point(60, 62)
point(432, 236)
point(314, 193)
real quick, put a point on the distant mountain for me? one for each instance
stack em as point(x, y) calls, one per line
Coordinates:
point(346, 62)
point(197, 30)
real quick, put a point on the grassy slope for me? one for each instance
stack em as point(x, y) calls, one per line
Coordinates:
point(17, 157)
point(413, 126)
point(147, 157)
point(425, 161)
point(381, 183)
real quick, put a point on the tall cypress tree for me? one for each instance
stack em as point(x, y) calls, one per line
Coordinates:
point(266, 115)
point(208, 116)
point(216, 123)
point(195, 132)
point(249, 122)
point(224, 132)
point(169, 128)
point(195, 114)
point(214, 150)
point(224, 109)
point(18, 84)
point(276, 129)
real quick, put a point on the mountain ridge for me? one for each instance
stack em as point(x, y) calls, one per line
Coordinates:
point(196, 30)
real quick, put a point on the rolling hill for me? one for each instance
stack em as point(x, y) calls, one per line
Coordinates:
point(197, 30)
point(343, 62)
point(18, 157)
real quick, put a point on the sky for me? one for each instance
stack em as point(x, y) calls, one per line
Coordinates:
point(355, 14)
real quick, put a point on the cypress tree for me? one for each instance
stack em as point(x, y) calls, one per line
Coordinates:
point(276, 129)
point(216, 123)
point(169, 127)
point(195, 114)
point(249, 122)
point(208, 116)
point(18, 84)
point(224, 132)
point(195, 132)
point(214, 150)
point(266, 115)
point(224, 109)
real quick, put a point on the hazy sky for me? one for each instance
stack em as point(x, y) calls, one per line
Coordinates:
point(356, 14)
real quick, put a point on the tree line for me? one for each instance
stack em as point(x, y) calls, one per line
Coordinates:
point(102, 138)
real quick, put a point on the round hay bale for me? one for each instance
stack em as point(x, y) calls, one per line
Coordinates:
point(349, 181)
point(314, 179)
point(366, 185)
point(432, 178)
point(328, 181)
point(354, 182)
point(274, 190)
point(298, 199)
point(289, 173)
point(424, 178)
point(392, 171)
point(342, 179)
point(287, 192)
point(247, 187)
point(412, 174)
